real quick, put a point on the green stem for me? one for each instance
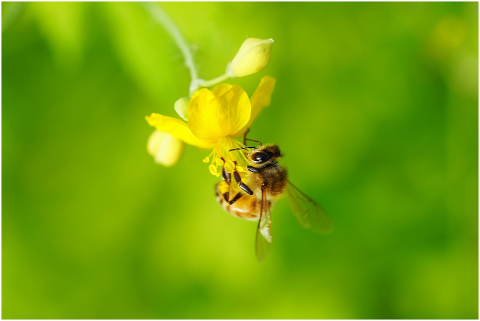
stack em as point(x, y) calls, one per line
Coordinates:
point(209, 83)
point(172, 29)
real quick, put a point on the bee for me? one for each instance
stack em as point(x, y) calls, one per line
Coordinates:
point(265, 182)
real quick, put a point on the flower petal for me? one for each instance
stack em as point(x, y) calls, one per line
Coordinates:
point(261, 98)
point(176, 128)
point(218, 113)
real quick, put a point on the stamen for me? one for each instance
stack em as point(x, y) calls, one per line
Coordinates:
point(221, 156)
point(212, 169)
point(223, 187)
point(229, 166)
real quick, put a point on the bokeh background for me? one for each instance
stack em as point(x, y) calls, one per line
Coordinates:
point(376, 110)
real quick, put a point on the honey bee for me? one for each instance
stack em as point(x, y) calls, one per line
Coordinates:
point(265, 182)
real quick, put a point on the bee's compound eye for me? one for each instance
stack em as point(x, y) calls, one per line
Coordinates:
point(260, 158)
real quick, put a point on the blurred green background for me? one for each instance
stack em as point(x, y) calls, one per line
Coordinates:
point(375, 109)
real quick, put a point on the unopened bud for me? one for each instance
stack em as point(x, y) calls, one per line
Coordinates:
point(253, 56)
point(164, 148)
point(181, 107)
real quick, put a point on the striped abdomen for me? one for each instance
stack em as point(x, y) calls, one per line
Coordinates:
point(246, 207)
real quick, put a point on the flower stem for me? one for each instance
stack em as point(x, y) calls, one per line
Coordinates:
point(208, 83)
point(161, 17)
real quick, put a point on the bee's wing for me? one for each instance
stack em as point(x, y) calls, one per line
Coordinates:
point(309, 214)
point(263, 241)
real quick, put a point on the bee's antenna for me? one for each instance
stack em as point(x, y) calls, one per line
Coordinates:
point(241, 148)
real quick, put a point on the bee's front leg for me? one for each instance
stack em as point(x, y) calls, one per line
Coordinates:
point(228, 178)
point(253, 169)
point(226, 175)
point(235, 198)
point(241, 184)
point(252, 140)
point(245, 136)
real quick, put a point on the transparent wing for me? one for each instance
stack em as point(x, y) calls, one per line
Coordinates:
point(263, 241)
point(309, 214)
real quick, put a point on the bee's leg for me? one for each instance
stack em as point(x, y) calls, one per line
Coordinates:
point(226, 175)
point(252, 140)
point(253, 169)
point(245, 136)
point(228, 178)
point(226, 196)
point(235, 199)
point(242, 185)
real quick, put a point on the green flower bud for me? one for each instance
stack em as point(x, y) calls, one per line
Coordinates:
point(164, 148)
point(253, 56)
point(181, 107)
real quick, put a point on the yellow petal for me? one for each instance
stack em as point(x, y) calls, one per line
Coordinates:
point(176, 128)
point(164, 148)
point(218, 113)
point(261, 98)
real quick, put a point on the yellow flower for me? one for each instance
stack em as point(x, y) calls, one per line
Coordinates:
point(253, 56)
point(215, 118)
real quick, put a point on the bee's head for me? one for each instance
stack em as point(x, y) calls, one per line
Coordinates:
point(263, 154)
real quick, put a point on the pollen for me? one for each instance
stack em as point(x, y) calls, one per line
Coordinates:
point(213, 170)
point(229, 166)
point(222, 156)
point(223, 187)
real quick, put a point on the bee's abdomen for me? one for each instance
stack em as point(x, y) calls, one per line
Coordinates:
point(246, 207)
